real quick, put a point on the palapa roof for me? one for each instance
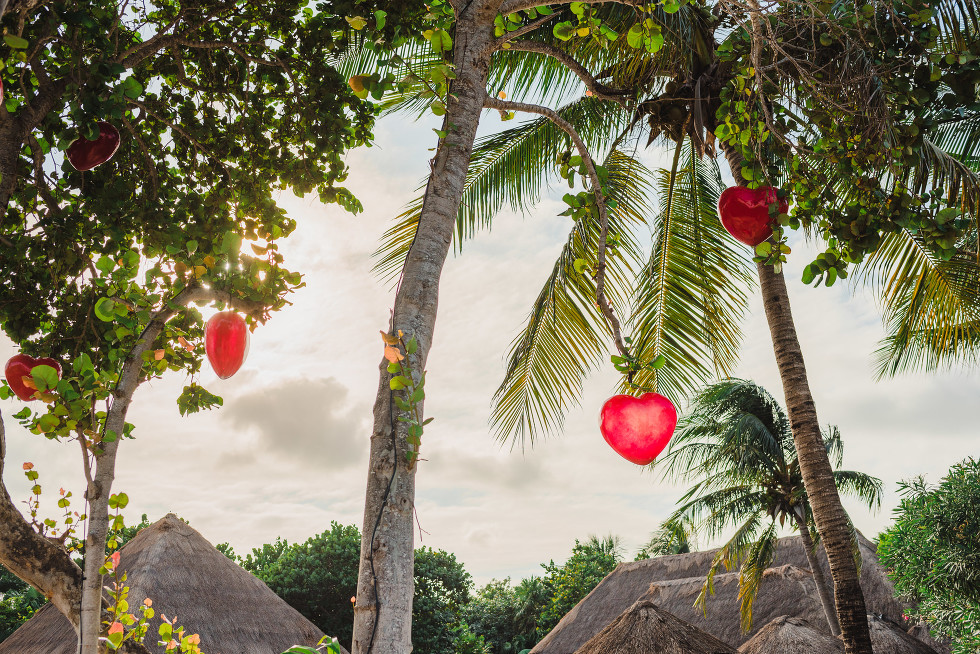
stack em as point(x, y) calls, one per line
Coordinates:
point(887, 636)
point(795, 595)
point(786, 635)
point(194, 584)
point(783, 589)
point(644, 628)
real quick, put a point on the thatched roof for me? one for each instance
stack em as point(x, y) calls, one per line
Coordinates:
point(190, 581)
point(631, 581)
point(786, 635)
point(921, 632)
point(887, 636)
point(644, 628)
point(782, 590)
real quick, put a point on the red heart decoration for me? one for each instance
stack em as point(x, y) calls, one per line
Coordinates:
point(226, 343)
point(20, 366)
point(86, 155)
point(745, 212)
point(638, 428)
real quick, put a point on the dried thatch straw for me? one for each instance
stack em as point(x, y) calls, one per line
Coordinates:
point(785, 589)
point(631, 581)
point(889, 637)
point(645, 628)
point(786, 635)
point(192, 583)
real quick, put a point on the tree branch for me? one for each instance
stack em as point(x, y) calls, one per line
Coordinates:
point(600, 291)
point(530, 27)
point(599, 90)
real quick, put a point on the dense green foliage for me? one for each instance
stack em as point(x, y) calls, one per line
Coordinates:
point(932, 553)
point(18, 602)
point(736, 444)
point(513, 619)
point(319, 577)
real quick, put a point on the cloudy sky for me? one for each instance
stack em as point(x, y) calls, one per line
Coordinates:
point(287, 453)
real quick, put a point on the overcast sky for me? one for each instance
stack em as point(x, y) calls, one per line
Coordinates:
point(287, 453)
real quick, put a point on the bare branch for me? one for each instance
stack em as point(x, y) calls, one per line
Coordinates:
point(599, 90)
point(600, 291)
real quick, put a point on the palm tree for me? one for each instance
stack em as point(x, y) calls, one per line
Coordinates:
point(689, 296)
point(736, 444)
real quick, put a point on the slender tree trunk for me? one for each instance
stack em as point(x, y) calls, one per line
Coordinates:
point(385, 587)
point(818, 478)
point(823, 588)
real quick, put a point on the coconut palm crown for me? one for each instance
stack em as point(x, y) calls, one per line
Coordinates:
point(737, 446)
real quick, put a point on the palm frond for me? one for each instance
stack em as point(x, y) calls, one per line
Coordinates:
point(691, 295)
point(931, 306)
point(566, 335)
point(509, 168)
point(866, 488)
point(758, 558)
point(729, 556)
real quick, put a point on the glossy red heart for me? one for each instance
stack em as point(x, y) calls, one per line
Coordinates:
point(638, 428)
point(86, 155)
point(745, 212)
point(226, 342)
point(20, 366)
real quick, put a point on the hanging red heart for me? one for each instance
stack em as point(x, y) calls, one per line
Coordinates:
point(226, 343)
point(745, 212)
point(86, 155)
point(20, 366)
point(638, 428)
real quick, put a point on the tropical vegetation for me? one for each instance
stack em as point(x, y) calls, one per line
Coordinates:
point(736, 444)
point(766, 88)
point(932, 553)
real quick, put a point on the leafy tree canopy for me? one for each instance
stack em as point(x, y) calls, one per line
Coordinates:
point(932, 553)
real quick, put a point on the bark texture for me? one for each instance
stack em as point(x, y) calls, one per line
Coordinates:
point(831, 519)
point(385, 587)
point(823, 588)
point(818, 478)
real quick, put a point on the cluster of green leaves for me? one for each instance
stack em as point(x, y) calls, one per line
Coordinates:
point(18, 602)
point(48, 527)
point(503, 25)
point(513, 618)
point(412, 385)
point(932, 553)
point(210, 131)
point(855, 160)
point(585, 23)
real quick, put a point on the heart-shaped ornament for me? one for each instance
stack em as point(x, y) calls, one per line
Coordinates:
point(638, 428)
point(18, 367)
point(226, 342)
point(745, 212)
point(86, 155)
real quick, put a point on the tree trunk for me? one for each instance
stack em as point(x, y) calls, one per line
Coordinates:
point(385, 587)
point(828, 512)
point(818, 478)
point(823, 588)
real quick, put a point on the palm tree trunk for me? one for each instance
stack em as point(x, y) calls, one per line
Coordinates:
point(821, 491)
point(828, 512)
point(383, 609)
point(823, 588)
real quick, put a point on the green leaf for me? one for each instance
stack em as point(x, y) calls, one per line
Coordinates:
point(412, 345)
point(397, 383)
point(45, 377)
point(105, 309)
point(564, 30)
point(15, 42)
point(357, 22)
point(634, 37)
